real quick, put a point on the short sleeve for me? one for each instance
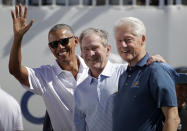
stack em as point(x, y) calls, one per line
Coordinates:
point(18, 122)
point(162, 86)
point(35, 80)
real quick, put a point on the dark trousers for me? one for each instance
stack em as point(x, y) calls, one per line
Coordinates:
point(47, 123)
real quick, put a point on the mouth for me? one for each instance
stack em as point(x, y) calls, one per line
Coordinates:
point(125, 51)
point(62, 53)
point(92, 59)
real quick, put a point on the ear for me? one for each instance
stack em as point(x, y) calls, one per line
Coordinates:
point(50, 48)
point(76, 40)
point(108, 49)
point(143, 39)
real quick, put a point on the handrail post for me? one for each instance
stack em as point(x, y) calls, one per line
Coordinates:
point(161, 3)
point(147, 2)
point(178, 2)
point(93, 2)
point(14, 2)
point(121, 2)
point(170, 2)
point(39, 2)
point(53, 2)
point(80, 2)
point(66, 2)
point(106, 2)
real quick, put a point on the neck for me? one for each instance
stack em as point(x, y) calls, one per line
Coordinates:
point(134, 61)
point(71, 66)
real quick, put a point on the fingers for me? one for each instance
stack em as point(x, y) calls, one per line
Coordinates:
point(20, 10)
point(150, 60)
point(13, 17)
point(16, 10)
point(29, 26)
point(26, 12)
point(159, 58)
point(155, 58)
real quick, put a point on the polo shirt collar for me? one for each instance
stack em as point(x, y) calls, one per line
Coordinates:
point(58, 70)
point(143, 61)
point(108, 70)
point(140, 64)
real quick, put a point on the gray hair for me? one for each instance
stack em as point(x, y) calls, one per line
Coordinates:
point(61, 26)
point(137, 25)
point(101, 33)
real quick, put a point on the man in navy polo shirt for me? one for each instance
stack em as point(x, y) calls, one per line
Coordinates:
point(146, 99)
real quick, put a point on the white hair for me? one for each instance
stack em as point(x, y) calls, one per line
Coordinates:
point(137, 25)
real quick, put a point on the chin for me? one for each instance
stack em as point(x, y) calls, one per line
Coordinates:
point(64, 59)
point(94, 66)
point(125, 58)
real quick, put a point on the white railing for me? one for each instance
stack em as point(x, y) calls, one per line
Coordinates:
point(134, 2)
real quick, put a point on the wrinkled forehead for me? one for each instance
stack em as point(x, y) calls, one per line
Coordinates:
point(124, 31)
point(125, 28)
point(59, 34)
point(90, 39)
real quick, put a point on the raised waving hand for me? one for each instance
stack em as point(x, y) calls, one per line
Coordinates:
point(20, 25)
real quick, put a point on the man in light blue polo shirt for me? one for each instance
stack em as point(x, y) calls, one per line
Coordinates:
point(92, 94)
point(93, 97)
point(146, 99)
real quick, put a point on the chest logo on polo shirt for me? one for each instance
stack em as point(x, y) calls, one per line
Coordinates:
point(136, 85)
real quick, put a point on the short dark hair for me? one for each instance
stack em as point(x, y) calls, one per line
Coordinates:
point(61, 26)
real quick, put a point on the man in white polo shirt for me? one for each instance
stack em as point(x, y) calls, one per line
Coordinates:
point(56, 82)
point(10, 113)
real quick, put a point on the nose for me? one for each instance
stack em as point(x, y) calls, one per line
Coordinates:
point(123, 44)
point(90, 52)
point(60, 46)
